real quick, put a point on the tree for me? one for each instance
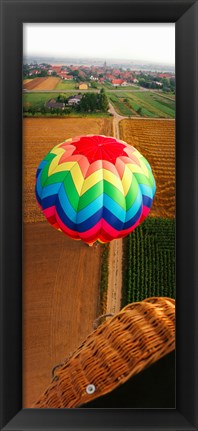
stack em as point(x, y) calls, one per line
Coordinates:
point(88, 102)
point(94, 85)
point(103, 101)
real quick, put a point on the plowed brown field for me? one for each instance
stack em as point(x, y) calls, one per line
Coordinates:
point(40, 136)
point(34, 82)
point(60, 296)
point(26, 81)
point(48, 84)
point(155, 139)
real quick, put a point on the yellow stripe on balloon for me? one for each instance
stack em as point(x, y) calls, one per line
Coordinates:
point(92, 180)
point(126, 180)
point(135, 169)
point(59, 152)
point(67, 166)
point(101, 174)
point(144, 167)
point(77, 177)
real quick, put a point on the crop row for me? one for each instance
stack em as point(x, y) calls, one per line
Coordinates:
point(149, 261)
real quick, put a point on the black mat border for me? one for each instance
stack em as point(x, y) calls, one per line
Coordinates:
point(185, 15)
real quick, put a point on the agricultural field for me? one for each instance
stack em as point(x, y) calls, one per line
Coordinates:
point(66, 85)
point(49, 84)
point(143, 104)
point(40, 136)
point(155, 139)
point(39, 84)
point(60, 302)
point(108, 86)
point(33, 84)
point(26, 81)
point(149, 261)
point(36, 100)
point(56, 269)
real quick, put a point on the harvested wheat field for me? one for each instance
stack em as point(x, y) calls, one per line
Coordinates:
point(60, 298)
point(40, 136)
point(48, 84)
point(33, 83)
point(155, 139)
point(26, 81)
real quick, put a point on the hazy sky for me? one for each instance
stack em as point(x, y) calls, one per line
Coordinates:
point(149, 42)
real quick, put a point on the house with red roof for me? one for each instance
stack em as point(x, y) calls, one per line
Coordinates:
point(165, 75)
point(116, 82)
point(56, 69)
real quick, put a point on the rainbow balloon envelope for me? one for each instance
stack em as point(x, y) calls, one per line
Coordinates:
point(95, 188)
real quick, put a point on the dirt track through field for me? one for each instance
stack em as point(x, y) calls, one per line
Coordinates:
point(114, 291)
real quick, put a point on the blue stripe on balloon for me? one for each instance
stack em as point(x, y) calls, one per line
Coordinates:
point(39, 187)
point(66, 206)
point(38, 172)
point(146, 190)
point(68, 215)
point(49, 201)
point(81, 227)
point(43, 163)
point(114, 208)
point(112, 220)
point(134, 219)
point(51, 189)
point(103, 201)
point(66, 221)
point(90, 209)
point(147, 201)
point(89, 223)
point(37, 196)
point(41, 166)
point(92, 221)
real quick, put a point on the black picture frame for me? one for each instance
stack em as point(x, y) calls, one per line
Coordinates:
point(185, 14)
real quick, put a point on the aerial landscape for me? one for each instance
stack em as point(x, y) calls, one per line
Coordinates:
point(68, 286)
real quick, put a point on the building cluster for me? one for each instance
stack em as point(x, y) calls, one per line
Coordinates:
point(95, 74)
point(71, 101)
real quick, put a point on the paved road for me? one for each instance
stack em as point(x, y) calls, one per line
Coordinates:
point(93, 90)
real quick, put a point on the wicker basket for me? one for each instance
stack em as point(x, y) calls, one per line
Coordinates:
point(140, 334)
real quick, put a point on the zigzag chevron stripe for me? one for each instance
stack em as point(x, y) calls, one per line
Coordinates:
point(95, 187)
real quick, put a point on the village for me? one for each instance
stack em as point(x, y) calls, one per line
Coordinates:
point(89, 76)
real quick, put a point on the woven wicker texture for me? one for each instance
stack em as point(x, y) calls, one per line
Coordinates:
point(140, 334)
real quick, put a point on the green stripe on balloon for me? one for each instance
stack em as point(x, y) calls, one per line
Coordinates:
point(132, 193)
point(70, 190)
point(90, 195)
point(58, 177)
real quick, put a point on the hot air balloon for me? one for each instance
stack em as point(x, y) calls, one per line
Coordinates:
point(95, 188)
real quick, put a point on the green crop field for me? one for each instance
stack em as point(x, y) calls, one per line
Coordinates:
point(66, 85)
point(143, 104)
point(106, 85)
point(120, 106)
point(149, 261)
point(37, 100)
point(157, 104)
